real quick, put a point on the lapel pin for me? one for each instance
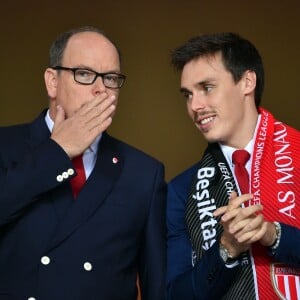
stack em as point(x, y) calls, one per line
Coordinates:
point(114, 160)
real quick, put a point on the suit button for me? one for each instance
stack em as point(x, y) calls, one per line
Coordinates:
point(45, 260)
point(65, 175)
point(59, 178)
point(87, 266)
point(70, 172)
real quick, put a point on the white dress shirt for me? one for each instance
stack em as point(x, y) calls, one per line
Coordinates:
point(228, 151)
point(90, 154)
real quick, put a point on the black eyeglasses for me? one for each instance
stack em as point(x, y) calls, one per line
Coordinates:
point(85, 76)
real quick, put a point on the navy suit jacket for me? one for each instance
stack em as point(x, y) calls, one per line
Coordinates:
point(209, 278)
point(55, 247)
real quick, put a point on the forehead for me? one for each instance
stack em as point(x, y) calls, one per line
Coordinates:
point(203, 68)
point(90, 49)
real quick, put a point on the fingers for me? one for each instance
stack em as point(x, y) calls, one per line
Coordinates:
point(96, 115)
point(101, 117)
point(249, 237)
point(76, 133)
point(240, 213)
point(234, 203)
point(59, 116)
point(246, 225)
point(98, 104)
point(219, 211)
point(242, 226)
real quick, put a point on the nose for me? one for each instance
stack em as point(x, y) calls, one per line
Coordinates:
point(98, 86)
point(196, 103)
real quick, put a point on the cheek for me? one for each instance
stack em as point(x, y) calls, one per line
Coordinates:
point(189, 110)
point(69, 100)
point(114, 93)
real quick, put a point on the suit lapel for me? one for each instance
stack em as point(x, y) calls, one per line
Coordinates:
point(39, 130)
point(97, 188)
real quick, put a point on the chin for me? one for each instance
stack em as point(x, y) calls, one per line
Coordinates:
point(210, 138)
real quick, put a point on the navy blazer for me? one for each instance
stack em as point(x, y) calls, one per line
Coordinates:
point(209, 278)
point(53, 247)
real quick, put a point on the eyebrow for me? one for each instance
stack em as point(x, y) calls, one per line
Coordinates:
point(184, 90)
point(200, 83)
point(84, 67)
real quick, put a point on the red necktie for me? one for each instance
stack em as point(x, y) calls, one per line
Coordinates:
point(78, 181)
point(240, 158)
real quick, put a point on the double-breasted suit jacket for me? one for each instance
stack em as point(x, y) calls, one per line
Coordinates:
point(55, 247)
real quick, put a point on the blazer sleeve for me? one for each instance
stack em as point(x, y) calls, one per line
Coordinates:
point(209, 277)
point(152, 260)
point(30, 174)
point(289, 247)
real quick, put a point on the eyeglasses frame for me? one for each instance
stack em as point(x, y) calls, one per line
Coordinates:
point(96, 73)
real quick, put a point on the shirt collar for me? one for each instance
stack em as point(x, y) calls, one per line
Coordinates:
point(228, 151)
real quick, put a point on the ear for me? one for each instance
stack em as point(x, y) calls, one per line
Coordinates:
point(51, 79)
point(249, 78)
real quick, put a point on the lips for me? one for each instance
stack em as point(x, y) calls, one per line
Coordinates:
point(205, 121)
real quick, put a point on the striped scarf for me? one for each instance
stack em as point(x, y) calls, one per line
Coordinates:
point(275, 183)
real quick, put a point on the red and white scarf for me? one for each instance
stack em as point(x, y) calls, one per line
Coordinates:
point(275, 183)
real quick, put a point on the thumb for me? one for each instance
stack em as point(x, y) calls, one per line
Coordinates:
point(233, 195)
point(60, 115)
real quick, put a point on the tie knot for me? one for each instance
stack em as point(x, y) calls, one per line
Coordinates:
point(240, 157)
point(77, 161)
